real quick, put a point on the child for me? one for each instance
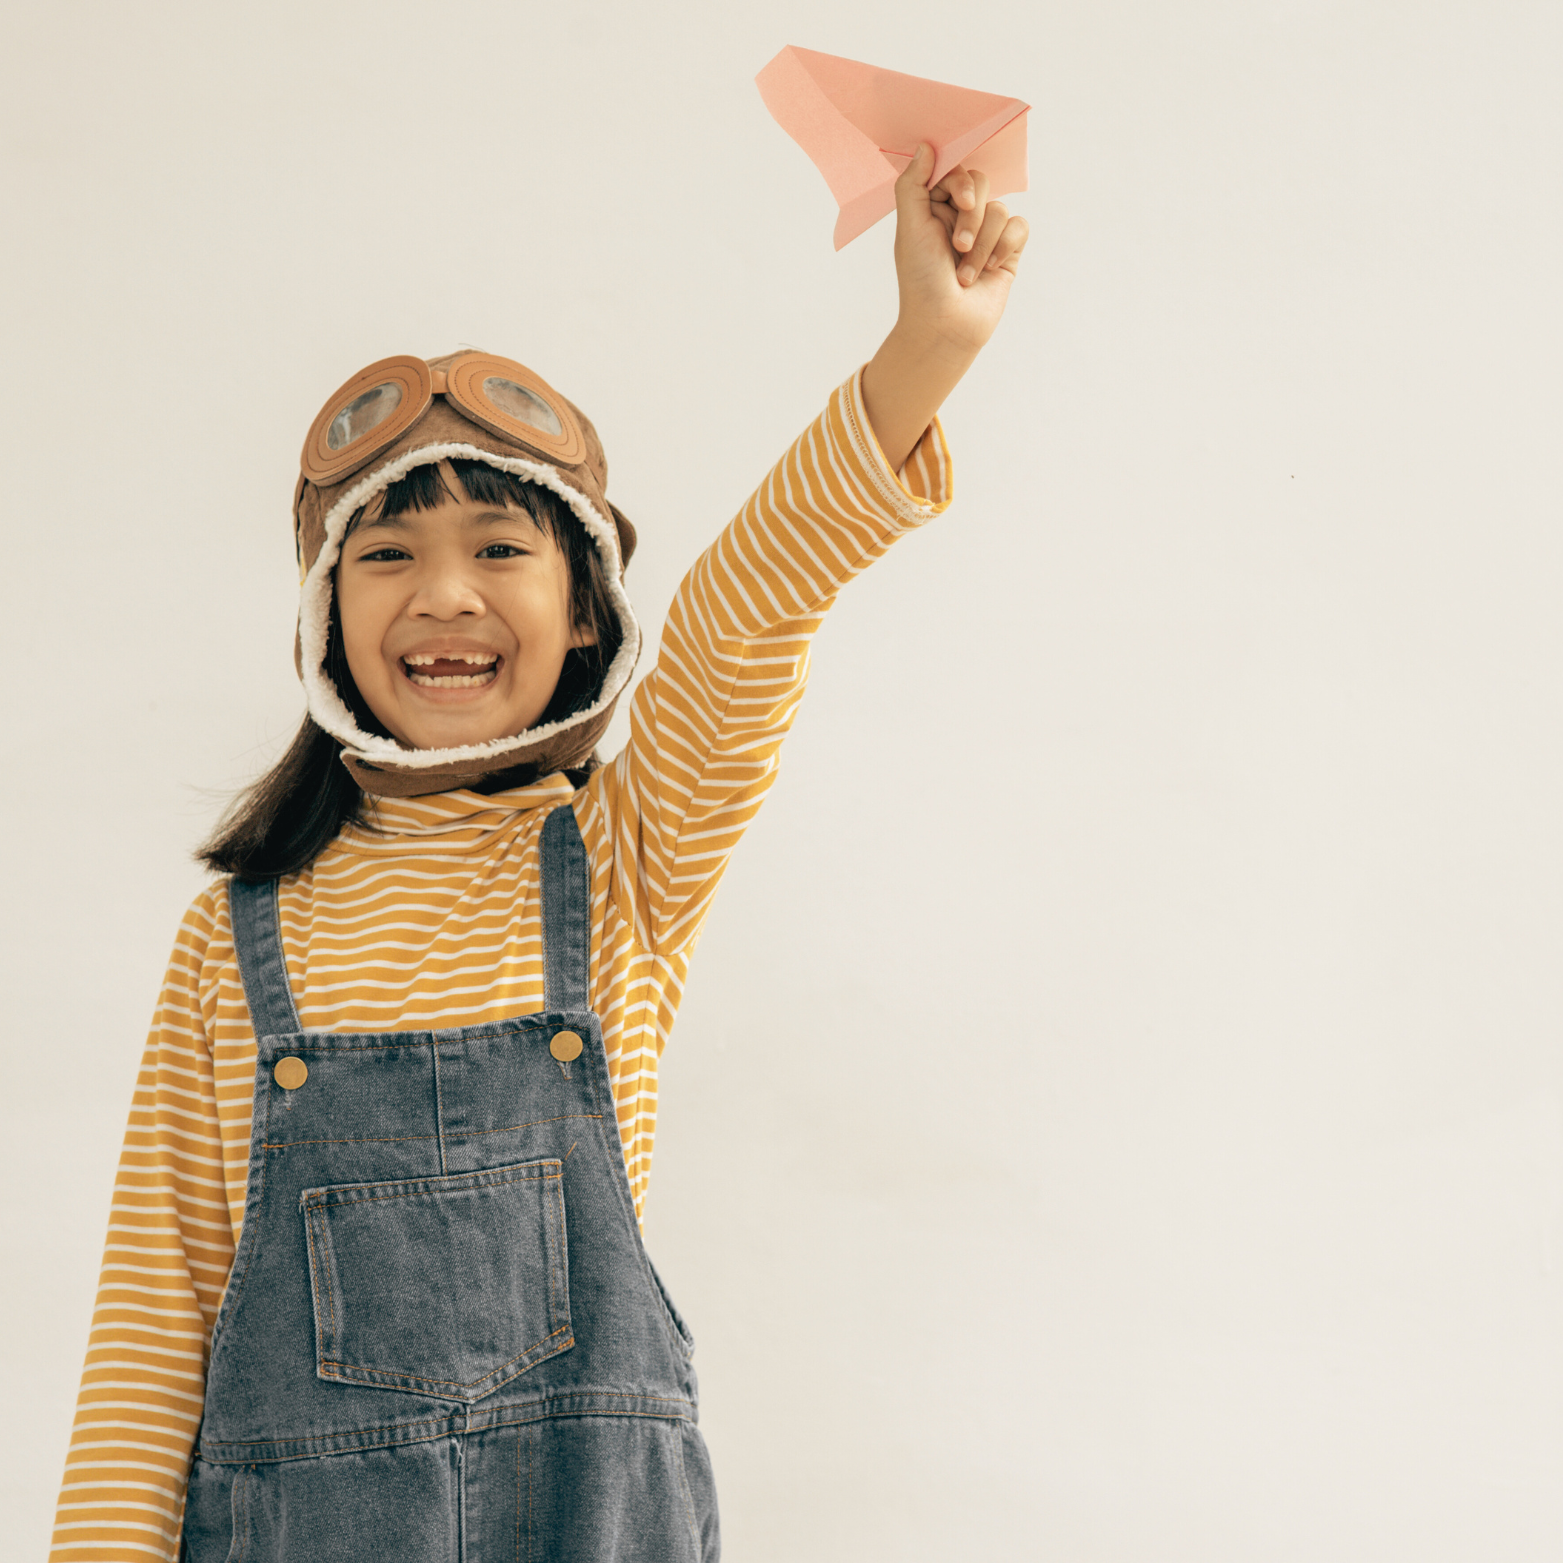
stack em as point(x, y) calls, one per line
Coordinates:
point(374, 1287)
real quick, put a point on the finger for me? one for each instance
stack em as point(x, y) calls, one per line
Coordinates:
point(957, 187)
point(972, 208)
point(911, 189)
point(995, 216)
point(1006, 253)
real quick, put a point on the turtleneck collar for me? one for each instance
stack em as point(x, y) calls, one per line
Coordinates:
point(455, 822)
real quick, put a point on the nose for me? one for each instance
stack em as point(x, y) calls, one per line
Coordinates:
point(446, 594)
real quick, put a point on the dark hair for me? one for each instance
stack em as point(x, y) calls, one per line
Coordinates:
point(282, 822)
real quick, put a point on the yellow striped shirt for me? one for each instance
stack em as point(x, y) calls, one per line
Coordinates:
point(429, 915)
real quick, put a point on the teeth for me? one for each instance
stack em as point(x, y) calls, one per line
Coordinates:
point(453, 680)
point(487, 661)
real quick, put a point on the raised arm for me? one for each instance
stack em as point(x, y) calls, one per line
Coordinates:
point(708, 721)
point(956, 254)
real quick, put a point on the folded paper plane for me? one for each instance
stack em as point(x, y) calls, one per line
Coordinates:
point(861, 126)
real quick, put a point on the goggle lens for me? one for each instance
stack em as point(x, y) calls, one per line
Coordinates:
point(362, 414)
point(522, 404)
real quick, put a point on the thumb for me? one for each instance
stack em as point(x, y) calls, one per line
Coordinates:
point(911, 189)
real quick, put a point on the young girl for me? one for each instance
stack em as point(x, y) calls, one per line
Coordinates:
point(374, 1287)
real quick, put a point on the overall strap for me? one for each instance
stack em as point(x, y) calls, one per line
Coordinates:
point(567, 908)
point(257, 939)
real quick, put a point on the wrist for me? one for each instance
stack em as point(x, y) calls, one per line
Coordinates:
point(904, 385)
point(914, 341)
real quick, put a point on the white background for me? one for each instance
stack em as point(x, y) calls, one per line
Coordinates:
point(1116, 1113)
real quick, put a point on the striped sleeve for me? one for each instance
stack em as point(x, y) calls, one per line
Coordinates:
point(169, 1249)
point(707, 722)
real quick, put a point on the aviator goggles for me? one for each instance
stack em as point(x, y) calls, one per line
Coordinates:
point(379, 404)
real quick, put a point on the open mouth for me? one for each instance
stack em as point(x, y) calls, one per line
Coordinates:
point(457, 670)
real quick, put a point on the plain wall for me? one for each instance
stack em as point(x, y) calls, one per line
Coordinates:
point(1116, 1113)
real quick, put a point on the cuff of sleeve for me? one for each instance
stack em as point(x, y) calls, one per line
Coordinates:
point(923, 488)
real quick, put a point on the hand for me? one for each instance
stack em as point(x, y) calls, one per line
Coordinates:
point(956, 255)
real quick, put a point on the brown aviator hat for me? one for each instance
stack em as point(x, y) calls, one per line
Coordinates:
point(403, 413)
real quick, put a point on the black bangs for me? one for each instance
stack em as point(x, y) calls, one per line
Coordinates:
point(486, 485)
point(425, 488)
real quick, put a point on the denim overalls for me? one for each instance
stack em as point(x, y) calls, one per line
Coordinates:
point(442, 1340)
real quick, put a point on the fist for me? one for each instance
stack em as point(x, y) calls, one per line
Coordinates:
point(956, 253)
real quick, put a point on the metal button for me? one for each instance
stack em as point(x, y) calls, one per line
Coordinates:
point(565, 1046)
point(290, 1072)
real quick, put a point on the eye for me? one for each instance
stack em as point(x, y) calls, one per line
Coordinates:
point(502, 551)
point(384, 556)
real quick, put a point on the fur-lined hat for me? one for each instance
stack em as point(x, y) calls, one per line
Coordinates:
point(403, 413)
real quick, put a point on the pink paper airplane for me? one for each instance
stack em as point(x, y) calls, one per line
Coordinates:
point(860, 125)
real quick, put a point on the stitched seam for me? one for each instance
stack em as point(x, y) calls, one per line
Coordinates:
point(447, 1383)
point(444, 1430)
point(619, 1176)
point(439, 1108)
point(544, 896)
point(331, 1280)
point(593, 1394)
point(461, 1500)
point(443, 1422)
point(682, 1340)
point(324, 1283)
point(907, 510)
point(523, 1027)
point(466, 1395)
point(482, 1177)
point(324, 1202)
point(352, 1432)
point(314, 1277)
point(460, 1134)
point(551, 1254)
point(616, 1394)
point(655, 1416)
point(249, 1505)
point(314, 1445)
point(235, 1520)
point(467, 1134)
point(556, 1281)
point(378, 1139)
point(279, 952)
point(370, 1047)
point(689, 1497)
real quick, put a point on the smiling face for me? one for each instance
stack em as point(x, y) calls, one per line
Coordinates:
point(455, 620)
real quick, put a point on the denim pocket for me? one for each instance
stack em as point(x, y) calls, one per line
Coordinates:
point(446, 1286)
